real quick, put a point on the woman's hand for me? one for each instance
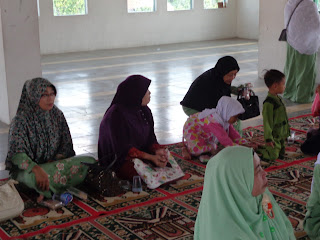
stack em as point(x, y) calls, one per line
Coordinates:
point(163, 152)
point(160, 159)
point(270, 144)
point(42, 178)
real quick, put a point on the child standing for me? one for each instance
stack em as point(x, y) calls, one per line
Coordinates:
point(204, 130)
point(275, 119)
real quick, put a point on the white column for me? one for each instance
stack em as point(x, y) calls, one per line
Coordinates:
point(272, 53)
point(19, 52)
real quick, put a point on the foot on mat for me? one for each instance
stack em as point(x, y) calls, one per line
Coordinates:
point(185, 154)
point(204, 158)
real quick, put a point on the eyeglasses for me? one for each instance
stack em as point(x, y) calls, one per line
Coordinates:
point(45, 95)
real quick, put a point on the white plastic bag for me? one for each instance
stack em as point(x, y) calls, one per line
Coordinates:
point(11, 204)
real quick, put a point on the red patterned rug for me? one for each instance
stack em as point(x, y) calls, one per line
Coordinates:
point(168, 212)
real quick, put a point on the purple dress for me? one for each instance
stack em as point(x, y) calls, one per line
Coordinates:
point(126, 124)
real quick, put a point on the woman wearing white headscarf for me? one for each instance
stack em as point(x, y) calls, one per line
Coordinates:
point(303, 37)
point(204, 130)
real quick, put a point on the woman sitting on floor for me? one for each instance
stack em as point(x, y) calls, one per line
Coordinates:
point(204, 130)
point(127, 132)
point(236, 203)
point(40, 142)
point(210, 86)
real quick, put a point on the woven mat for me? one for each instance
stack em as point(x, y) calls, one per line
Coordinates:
point(170, 211)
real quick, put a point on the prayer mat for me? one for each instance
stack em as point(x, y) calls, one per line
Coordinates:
point(168, 212)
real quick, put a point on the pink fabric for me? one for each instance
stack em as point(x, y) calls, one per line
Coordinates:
point(315, 109)
point(203, 135)
point(233, 133)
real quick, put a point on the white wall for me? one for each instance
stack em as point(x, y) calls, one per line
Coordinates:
point(272, 53)
point(248, 19)
point(108, 25)
point(4, 104)
point(19, 52)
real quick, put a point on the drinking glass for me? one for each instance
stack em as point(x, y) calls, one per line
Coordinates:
point(136, 184)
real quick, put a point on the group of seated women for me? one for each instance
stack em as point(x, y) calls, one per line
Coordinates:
point(235, 202)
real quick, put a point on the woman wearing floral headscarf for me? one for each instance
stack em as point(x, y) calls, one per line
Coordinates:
point(127, 132)
point(39, 140)
point(203, 131)
point(236, 203)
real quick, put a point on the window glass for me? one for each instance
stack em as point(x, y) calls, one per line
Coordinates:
point(176, 5)
point(141, 6)
point(211, 4)
point(69, 7)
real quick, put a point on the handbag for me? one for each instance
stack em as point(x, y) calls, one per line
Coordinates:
point(102, 180)
point(251, 105)
point(283, 34)
point(11, 203)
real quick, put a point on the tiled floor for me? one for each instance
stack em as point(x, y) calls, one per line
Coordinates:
point(87, 81)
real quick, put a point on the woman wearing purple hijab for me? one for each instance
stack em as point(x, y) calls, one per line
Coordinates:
point(127, 133)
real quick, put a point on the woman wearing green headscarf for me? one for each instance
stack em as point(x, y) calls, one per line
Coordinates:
point(311, 222)
point(41, 152)
point(236, 203)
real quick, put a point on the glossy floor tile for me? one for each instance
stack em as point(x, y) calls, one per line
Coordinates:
point(87, 81)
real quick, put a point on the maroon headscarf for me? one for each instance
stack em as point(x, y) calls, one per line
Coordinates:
point(126, 123)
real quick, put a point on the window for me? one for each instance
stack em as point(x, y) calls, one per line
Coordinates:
point(176, 5)
point(141, 5)
point(38, 7)
point(318, 5)
point(211, 4)
point(69, 7)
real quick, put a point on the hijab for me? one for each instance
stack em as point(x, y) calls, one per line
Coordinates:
point(303, 32)
point(209, 87)
point(126, 123)
point(38, 133)
point(227, 107)
point(228, 210)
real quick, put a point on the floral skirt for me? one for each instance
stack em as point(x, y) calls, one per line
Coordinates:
point(155, 176)
point(62, 174)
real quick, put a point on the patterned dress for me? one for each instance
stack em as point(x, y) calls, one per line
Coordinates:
point(39, 137)
point(203, 131)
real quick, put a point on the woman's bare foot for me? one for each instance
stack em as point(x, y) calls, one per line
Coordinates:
point(204, 158)
point(40, 198)
point(185, 154)
point(214, 152)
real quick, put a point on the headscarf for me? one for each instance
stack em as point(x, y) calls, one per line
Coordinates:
point(228, 210)
point(126, 123)
point(209, 87)
point(227, 107)
point(38, 133)
point(311, 221)
point(303, 32)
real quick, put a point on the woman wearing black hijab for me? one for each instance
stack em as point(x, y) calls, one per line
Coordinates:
point(210, 86)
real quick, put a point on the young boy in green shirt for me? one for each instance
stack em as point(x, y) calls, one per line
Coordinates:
point(275, 119)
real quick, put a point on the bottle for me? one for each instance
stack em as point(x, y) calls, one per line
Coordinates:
point(65, 198)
